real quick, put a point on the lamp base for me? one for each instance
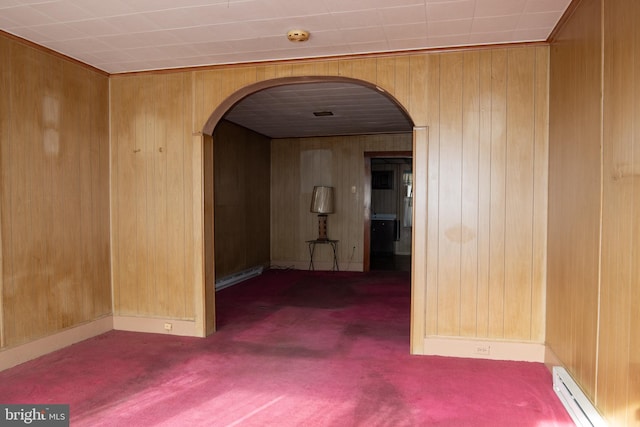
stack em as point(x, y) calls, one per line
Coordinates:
point(322, 227)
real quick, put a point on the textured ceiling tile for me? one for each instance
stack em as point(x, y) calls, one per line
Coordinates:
point(25, 16)
point(450, 11)
point(499, 7)
point(447, 28)
point(494, 24)
point(256, 29)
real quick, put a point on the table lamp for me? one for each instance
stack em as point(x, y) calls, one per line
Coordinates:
point(322, 204)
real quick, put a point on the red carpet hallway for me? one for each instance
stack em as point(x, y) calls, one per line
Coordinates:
point(293, 348)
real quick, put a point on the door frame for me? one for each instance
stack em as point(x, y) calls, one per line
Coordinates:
point(368, 155)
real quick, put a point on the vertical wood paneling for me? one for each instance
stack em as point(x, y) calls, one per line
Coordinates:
point(593, 285)
point(209, 232)
point(574, 194)
point(483, 180)
point(620, 220)
point(151, 178)
point(27, 63)
point(519, 193)
point(497, 203)
point(54, 203)
point(484, 191)
point(540, 194)
point(364, 69)
point(451, 232)
point(470, 202)
point(5, 122)
point(432, 255)
point(418, 90)
point(385, 73)
point(242, 199)
point(481, 113)
point(289, 232)
point(402, 91)
point(180, 204)
point(156, 183)
point(633, 362)
point(303, 69)
point(200, 295)
point(120, 192)
point(419, 281)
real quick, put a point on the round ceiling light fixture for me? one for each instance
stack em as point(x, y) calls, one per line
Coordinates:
point(298, 35)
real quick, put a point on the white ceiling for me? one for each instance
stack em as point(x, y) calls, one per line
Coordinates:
point(288, 111)
point(119, 36)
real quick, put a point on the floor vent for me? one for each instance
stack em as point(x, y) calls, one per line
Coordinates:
point(232, 279)
point(579, 407)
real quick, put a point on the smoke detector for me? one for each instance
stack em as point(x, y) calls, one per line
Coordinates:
point(298, 35)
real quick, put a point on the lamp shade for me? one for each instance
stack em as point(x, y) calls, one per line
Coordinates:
point(322, 200)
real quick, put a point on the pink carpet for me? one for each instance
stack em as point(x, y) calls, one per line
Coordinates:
point(293, 348)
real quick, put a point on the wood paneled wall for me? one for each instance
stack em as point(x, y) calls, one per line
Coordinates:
point(300, 163)
point(242, 165)
point(487, 118)
point(487, 195)
point(618, 390)
point(54, 203)
point(486, 111)
point(574, 194)
point(594, 272)
point(153, 200)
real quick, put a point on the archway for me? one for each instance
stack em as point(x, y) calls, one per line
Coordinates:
point(242, 93)
point(239, 95)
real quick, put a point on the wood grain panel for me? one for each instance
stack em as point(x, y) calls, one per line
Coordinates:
point(5, 123)
point(593, 285)
point(432, 255)
point(487, 96)
point(498, 257)
point(470, 205)
point(242, 199)
point(574, 194)
point(418, 90)
point(484, 190)
point(483, 179)
point(451, 231)
point(540, 194)
point(475, 104)
point(519, 193)
point(209, 232)
point(294, 164)
point(55, 232)
point(151, 178)
point(385, 73)
point(419, 281)
point(618, 386)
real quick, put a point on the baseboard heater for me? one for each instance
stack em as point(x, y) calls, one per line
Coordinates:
point(577, 404)
point(234, 278)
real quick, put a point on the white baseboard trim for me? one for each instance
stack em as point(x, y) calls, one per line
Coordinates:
point(484, 349)
point(185, 328)
point(23, 353)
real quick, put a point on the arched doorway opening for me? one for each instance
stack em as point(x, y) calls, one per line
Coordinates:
point(352, 191)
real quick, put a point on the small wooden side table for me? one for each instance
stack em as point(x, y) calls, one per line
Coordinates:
point(312, 248)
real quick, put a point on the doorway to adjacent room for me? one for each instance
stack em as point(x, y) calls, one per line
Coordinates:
point(388, 230)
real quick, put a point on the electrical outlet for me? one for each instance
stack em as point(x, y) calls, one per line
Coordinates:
point(168, 326)
point(483, 349)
